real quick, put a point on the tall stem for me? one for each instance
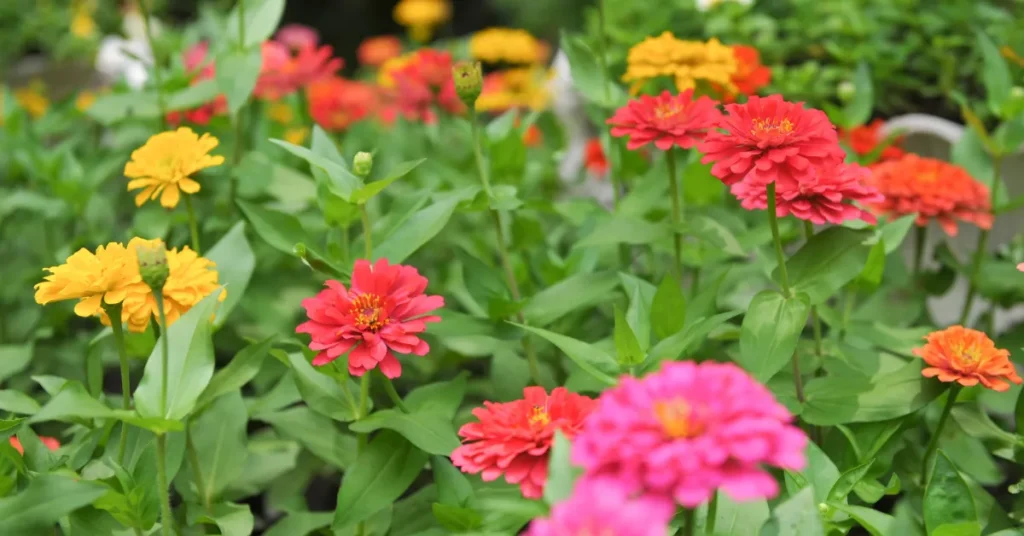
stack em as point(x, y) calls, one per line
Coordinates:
point(689, 522)
point(389, 388)
point(773, 221)
point(241, 23)
point(677, 210)
point(618, 187)
point(815, 321)
point(157, 74)
point(364, 397)
point(114, 313)
point(979, 254)
point(933, 444)
point(506, 261)
point(920, 239)
point(167, 518)
point(367, 232)
point(709, 524)
point(848, 302)
point(193, 224)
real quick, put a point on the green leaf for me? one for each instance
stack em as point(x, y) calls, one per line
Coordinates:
point(875, 522)
point(456, 518)
point(561, 473)
point(894, 232)
point(821, 472)
point(591, 359)
point(232, 519)
point(17, 402)
point(315, 432)
point(300, 524)
point(235, 263)
point(770, 331)
point(739, 518)
point(836, 400)
point(369, 190)
point(14, 358)
point(190, 365)
point(73, 402)
point(715, 234)
point(236, 75)
point(847, 481)
point(995, 74)
point(871, 276)
point(575, 292)
point(831, 259)
point(194, 95)
point(280, 230)
point(452, 485)
point(416, 231)
point(430, 432)
point(219, 435)
point(639, 319)
point(1019, 413)
point(441, 397)
point(858, 110)
point(947, 497)
point(624, 229)
point(379, 476)
point(47, 498)
point(115, 107)
point(340, 181)
point(626, 344)
point(261, 19)
point(668, 309)
point(587, 75)
point(971, 528)
point(796, 515)
point(321, 392)
point(690, 338)
point(242, 368)
point(504, 197)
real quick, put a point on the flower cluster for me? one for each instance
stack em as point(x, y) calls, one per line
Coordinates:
point(422, 16)
point(164, 166)
point(292, 61)
point(968, 357)
point(507, 45)
point(335, 102)
point(688, 62)
point(422, 81)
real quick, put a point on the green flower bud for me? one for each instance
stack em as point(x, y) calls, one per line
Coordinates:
point(469, 81)
point(153, 264)
point(362, 164)
point(846, 90)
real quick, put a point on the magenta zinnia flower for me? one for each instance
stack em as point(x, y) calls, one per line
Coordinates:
point(824, 197)
point(603, 506)
point(665, 120)
point(381, 314)
point(688, 430)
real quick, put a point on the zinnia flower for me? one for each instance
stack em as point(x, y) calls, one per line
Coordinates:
point(750, 75)
point(51, 443)
point(507, 45)
point(688, 430)
point(33, 99)
point(931, 188)
point(164, 165)
point(286, 69)
point(196, 64)
point(335, 103)
point(514, 88)
point(297, 36)
point(382, 312)
point(594, 159)
point(374, 51)
point(424, 82)
point(686, 61)
point(665, 120)
point(771, 140)
point(823, 198)
point(603, 506)
point(514, 438)
point(865, 140)
point(968, 357)
point(92, 278)
point(422, 16)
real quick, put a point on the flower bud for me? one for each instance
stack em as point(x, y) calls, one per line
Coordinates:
point(362, 164)
point(846, 90)
point(153, 264)
point(469, 81)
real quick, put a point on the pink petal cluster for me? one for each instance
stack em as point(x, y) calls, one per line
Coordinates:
point(688, 430)
point(382, 313)
point(292, 61)
point(603, 506)
point(666, 120)
point(819, 198)
point(200, 68)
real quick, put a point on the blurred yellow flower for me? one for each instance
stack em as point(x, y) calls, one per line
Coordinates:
point(422, 16)
point(514, 88)
point(685, 61)
point(85, 100)
point(164, 165)
point(33, 98)
point(82, 24)
point(93, 279)
point(384, 76)
point(508, 45)
point(296, 135)
point(280, 113)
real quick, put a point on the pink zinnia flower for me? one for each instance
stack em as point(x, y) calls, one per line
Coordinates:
point(603, 506)
point(297, 36)
point(287, 70)
point(823, 198)
point(665, 120)
point(513, 438)
point(425, 83)
point(771, 140)
point(688, 430)
point(383, 312)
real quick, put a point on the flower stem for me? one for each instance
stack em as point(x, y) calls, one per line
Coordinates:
point(114, 313)
point(933, 444)
point(393, 394)
point(689, 522)
point(979, 254)
point(193, 224)
point(157, 75)
point(848, 302)
point(815, 321)
point(506, 262)
point(920, 239)
point(364, 397)
point(677, 210)
point(166, 519)
point(241, 23)
point(367, 231)
point(158, 295)
point(773, 220)
point(709, 524)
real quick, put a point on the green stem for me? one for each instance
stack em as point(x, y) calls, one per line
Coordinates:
point(618, 188)
point(920, 239)
point(677, 210)
point(933, 444)
point(239, 150)
point(197, 472)
point(798, 379)
point(367, 231)
point(773, 220)
point(979, 254)
point(158, 295)
point(689, 522)
point(157, 74)
point(193, 224)
point(848, 302)
point(393, 394)
point(709, 525)
point(166, 519)
point(815, 321)
point(114, 313)
point(364, 397)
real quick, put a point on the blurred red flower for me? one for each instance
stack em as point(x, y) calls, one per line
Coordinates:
point(51, 443)
point(750, 75)
point(293, 64)
point(374, 51)
point(335, 103)
point(424, 84)
point(865, 140)
point(594, 159)
point(196, 64)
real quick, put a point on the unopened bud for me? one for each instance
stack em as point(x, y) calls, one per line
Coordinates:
point(469, 81)
point(362, 164)
point(153, 264)
point(846, 90)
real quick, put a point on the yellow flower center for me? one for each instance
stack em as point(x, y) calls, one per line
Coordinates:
point(539, 416)
point(927, 176)
point(771, 127)
point(667, 110)
point(368, 312)
point(677, 419)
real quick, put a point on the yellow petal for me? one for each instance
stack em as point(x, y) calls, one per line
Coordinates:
point(88, 306)
point(143, 196)
point(188, 185)
point(170, 197)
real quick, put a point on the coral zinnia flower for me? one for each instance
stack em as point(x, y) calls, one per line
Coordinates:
point(286, 70)
point(374, 51)
point(164, 165)
point(932, 189)
point(335, 103)
point(750, 75)
point(594, 159)
point(513, 438)
point(424, 82)
point(421, 16)
point(508, 45)
point(823, 198)
point(51, 443)
point(687, 61)
point(603, 506)
point(688, 430)
point(92, 278)
point(383, 311)
point(771, 140)
point(666, 120)
point(865, 139)
point(968, 357)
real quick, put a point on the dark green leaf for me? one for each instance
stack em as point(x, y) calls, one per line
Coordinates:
point(219, 435)
point(1019, 414)
point(416, 231)
point(456, 518)
point(836, 400)
point(771, 329)
point(831, 259)
point(668, 309)
point(235, 264)
point(47, 498)
point(380, 476)
point(847, 481)
point(947, 498)
point(322, 392)
point(970, 528)
point(442, 397)
point(300, 524)
point(431, 432)
point(591, 359)
point(242, 368)
point(452, 485)
point(715, 234)
point(237, 72)
point(14, 358)
point(576, 292)
point(315, 432)
point(875, 522)
point(369, 190)
point(232, 519)
point(995, 73)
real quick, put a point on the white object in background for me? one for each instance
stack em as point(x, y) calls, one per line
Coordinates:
point(119, 58)
point(705, 5)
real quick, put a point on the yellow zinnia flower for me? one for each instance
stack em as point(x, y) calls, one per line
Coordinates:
point(85, 100)
point(514, 88)
point(164, 165)
point(82, 24)
point(509, 45)
point(422, 16)
point(685, 61)
point(105, 276)
point(33, 99)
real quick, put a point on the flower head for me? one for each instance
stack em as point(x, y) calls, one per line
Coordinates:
point(603, 506)
point(665, 120)
point(594, 159)
point(424, 82)
point(771, 140)
point(297, 36)
point(33, 99)
point(688, 430)
point(92, 278)
point(380, 314)
point(51, 443)
point(824, 197)
point(968, 357)
point(865, 139)
point(686, 61)
point(165, 164)
point(286, 69)
point(514, 88)
point(422, 16)
point(374, 51)
point(83, 25)
point(750, 75)
point(932, 189)
point(507, 45)
point(336, 103)
point(514, 438)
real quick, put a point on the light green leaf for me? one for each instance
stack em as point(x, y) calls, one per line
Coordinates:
point(639, 318)
point(73, 402)
point(315, 432)
point(894, 232)
point(587, 75)
point(300, 524)
point(369, 190)
point(322, 392)
point(235, 263)
point(430, 432)
point(280, 230)
point(452, 485)
point(847, 481)
point(947, 497)
point(340, 180)
point(575, 292)
point(193, 96)
point(858, 110)
point(441, 397)
point(995, 73)
point(47, 498)
point(970, 528)
point(380, 475)
point(416, 231)
point(261, 19)
point(739, 518)
point(624, 229)
point(689, 339)
point(873, 521)
point(219, 435)
point(668, 309)
point(796, 515)
point(626, 344)
point(456, 518)
point(242, 368)
point(771, 329)
point(236, 75)
point(14, 358)
point(591, 359)
point(505, 197)
point(836, 400)
point(561, 473)
point(17, 402)
point(715, 234)
point(831, 259)
point(232, 519)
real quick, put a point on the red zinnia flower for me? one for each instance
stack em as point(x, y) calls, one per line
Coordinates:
point(382, 312)
point(335, 103)
point(285, 73)
point(666, 120)
point(823, 198)
point(594, 159)
point(425, 82)
point(768, 139)
point(195, 62)
point(513, 438)
point(931, 188)
point(50, 442)
point(866, 138)
point(750, 75)
point(374, 51)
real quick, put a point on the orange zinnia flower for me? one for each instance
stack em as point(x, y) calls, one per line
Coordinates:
point(750, 75)
point(967, 356)
point(932, 189)
point(374, 51)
